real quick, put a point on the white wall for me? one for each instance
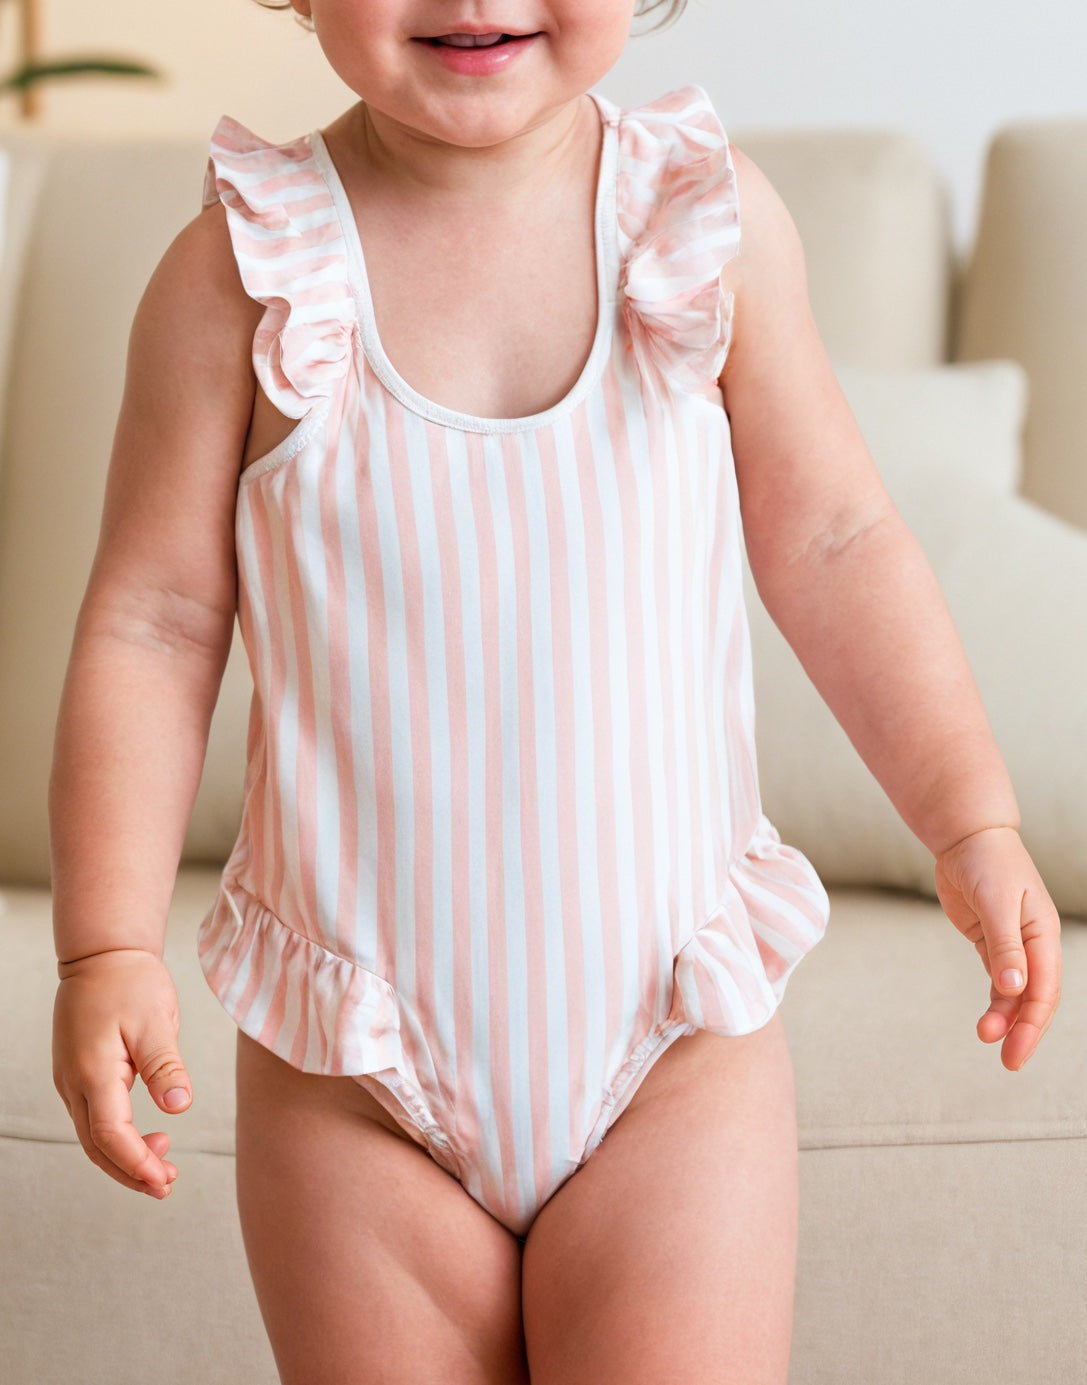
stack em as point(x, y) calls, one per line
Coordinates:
point(950, 71)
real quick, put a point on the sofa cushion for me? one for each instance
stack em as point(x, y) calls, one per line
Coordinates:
point(904, 978)
point(1016, 581)
point(941, 1265)
point(1025, 296)
point(104, 1287)
point(926, 426)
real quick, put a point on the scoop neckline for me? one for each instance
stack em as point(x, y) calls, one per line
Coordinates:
point(607, 276)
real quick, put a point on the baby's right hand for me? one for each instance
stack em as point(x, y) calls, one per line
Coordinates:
point(116, 1015)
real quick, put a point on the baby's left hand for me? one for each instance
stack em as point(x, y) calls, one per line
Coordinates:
point(992, 893)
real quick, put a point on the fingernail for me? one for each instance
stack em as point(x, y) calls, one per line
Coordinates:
point(1011, 979)
point(176, 1097)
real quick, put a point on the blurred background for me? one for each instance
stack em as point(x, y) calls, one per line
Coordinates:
point(948, 71)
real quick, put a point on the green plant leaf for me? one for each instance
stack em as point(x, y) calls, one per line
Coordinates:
point(33, 73)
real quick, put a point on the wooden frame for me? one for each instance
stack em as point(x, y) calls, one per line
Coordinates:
point(30, 33)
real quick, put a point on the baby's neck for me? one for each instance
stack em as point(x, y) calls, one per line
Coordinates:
point(369, 146)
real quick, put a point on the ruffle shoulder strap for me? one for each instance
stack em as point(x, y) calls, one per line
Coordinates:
point(679, 224)
point(291, 254)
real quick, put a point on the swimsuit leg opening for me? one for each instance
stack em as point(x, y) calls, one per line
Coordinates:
point(407, 1107)
point(630, 1078)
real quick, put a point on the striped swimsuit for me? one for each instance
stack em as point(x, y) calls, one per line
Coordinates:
point(502, 841)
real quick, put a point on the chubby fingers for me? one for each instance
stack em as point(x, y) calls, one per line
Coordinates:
point(163, 1073)
point(1023, 957)
point(1038, 1002)
point(102, 1116)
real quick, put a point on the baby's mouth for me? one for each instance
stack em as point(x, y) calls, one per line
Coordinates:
point(471, 40)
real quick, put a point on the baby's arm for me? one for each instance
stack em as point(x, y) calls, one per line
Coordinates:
point(148, 654)
point(849, 587)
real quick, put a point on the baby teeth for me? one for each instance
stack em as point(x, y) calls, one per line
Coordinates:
point(472, 40)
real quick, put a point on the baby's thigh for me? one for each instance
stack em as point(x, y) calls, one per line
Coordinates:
point(670, 1255)
point(369, 1261)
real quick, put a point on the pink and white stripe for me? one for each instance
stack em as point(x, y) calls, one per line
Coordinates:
point(502, 841)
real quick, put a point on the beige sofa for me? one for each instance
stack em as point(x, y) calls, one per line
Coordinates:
point(944, 1200)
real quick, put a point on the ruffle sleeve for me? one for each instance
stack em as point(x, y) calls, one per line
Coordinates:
point(292, 258)
point(679, 224)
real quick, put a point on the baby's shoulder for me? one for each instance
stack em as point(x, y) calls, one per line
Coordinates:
point(202, 262)
point(204, 248)
point(771, 253)
point(195, 300)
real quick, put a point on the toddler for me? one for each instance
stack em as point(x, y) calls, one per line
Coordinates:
point(457, 405)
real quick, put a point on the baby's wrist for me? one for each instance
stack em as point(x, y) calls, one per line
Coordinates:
point(962, 841)
point(104, 959)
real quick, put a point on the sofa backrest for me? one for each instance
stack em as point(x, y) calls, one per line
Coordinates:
point(1025, 297)
point(873, 216)
point(89, 222)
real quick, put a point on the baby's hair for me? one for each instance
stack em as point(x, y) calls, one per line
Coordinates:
point(671, 9)
point(284, 5)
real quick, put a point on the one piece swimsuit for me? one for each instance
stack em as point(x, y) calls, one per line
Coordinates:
point(502, 840)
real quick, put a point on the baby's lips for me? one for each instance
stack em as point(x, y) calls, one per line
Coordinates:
point(470, 40)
